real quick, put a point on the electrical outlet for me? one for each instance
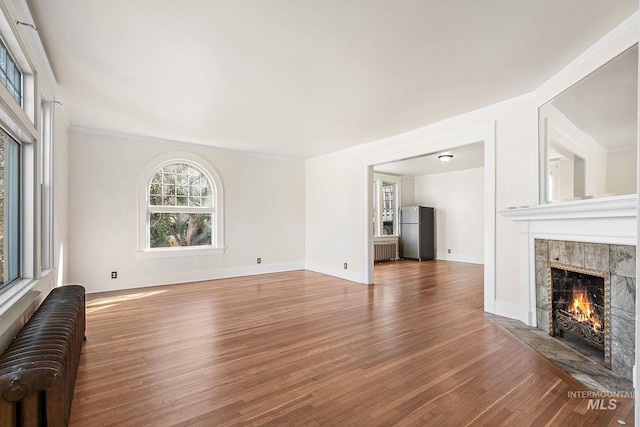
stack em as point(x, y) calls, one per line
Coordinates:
point(259, 260)
point(114, 274)
point(449, 250)
point(345, 265)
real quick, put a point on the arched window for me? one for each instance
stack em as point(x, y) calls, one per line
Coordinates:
point(182, 205)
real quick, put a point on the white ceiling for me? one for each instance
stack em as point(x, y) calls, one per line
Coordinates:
point(469, 156)
point(300, 78)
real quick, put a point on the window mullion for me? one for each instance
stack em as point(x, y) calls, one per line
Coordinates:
point(180, 209)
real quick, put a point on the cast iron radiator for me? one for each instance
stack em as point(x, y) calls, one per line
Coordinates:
point(38, 369)
point(384, 251)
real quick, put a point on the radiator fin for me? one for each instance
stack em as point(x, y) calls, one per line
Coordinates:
point(384, 251)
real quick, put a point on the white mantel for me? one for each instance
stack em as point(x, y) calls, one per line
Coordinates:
point(612, 220)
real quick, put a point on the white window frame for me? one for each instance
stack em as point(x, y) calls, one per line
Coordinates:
point(19, 122)
point(378, 181)
point(145, 210)
point(46, 186)
point(18, 117)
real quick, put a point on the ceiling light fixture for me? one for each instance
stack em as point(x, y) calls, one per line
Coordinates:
point(444, 158)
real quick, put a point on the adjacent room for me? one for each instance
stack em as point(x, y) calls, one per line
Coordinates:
point(318, 213)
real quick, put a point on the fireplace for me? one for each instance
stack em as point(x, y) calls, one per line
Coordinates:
point(579, 305)
point(596, 234)
point(606, 272)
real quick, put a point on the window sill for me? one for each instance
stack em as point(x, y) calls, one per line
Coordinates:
point(182, 252)
point(13, 293)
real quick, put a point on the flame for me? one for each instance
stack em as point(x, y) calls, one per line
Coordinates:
point(582, 309)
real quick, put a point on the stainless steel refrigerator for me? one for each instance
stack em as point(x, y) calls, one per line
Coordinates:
point(417, 232)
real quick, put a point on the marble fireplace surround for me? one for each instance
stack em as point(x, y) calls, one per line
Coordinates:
point(579, 233)
point(619, 262)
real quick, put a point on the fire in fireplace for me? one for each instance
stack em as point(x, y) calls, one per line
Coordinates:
point(579, 302)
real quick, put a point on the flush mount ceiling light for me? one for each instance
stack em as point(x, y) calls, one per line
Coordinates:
point(444, 158)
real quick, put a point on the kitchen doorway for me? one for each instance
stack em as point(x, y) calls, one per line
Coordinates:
point(428, 150)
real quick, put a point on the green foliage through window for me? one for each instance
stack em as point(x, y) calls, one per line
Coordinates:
point(180, 229)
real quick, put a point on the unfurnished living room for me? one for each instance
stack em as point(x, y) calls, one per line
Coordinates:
point(353, 213)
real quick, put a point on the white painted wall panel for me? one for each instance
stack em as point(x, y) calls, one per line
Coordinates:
point(335, 193)
point(458, 199)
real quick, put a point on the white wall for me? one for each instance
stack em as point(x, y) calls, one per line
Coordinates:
point(458, 199)
point(263, 203)
point(335, 222)
point(563, 178)
point(60, 154)
point(622, 172)
point(408, 191)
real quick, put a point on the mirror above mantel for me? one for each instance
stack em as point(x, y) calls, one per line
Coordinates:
point(588, 135)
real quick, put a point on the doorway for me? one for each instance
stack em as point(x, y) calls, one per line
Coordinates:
point(430, 148)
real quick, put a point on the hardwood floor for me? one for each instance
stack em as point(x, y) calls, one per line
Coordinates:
point(302, 348)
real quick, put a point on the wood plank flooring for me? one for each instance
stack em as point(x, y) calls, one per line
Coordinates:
point(302, 348)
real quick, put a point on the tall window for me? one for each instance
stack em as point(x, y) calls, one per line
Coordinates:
point(9, 209)
point(389, 208)
point(181, 208)
point(10, 75)
point(386, 196)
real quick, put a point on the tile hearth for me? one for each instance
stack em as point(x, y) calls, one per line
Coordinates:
point(591, 374)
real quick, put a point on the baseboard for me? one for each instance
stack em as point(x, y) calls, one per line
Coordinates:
point(352, 275)
point(512, 311)
point(460, 258)
point(123, 283)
